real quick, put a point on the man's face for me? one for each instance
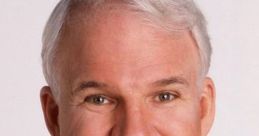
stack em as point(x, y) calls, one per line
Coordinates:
point(127, 78)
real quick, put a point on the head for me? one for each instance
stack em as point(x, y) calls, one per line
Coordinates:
point(127, 67)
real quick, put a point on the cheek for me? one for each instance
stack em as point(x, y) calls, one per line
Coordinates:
point(82, 123)
point(180, 121)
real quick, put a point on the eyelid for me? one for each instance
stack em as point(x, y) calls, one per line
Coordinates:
point(168, 91)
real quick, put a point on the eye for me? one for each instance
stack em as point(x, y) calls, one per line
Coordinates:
point(97, 100)
point(99, 103)
point(165, 97)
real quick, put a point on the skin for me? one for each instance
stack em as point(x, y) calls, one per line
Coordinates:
point(123, 77)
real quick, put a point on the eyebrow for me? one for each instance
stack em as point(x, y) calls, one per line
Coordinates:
point(82, 86)
point(162, 82)
point(171, 80)
point(90, 84)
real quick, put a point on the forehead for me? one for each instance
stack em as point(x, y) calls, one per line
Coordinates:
point(118, 43)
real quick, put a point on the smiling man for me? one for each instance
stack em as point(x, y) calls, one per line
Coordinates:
point(127, 68)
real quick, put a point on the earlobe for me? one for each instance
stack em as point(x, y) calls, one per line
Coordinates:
point(207, 103)
point(50, 110)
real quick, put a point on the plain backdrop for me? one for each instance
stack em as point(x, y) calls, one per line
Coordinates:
point(234, 32)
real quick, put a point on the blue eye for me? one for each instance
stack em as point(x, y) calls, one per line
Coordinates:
point(97, 100)
point(165, 97)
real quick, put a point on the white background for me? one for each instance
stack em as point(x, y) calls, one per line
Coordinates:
point(234, 31)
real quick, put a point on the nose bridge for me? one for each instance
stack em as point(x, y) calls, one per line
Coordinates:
point(134, 121)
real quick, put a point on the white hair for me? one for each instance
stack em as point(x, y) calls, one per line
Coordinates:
point(179, 14)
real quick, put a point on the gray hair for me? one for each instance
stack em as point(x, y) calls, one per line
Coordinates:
point(179, 14)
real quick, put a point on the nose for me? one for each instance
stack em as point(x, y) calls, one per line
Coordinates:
point(134, 120)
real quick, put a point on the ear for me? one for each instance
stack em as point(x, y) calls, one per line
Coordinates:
point(50, 110)
point(207, 103)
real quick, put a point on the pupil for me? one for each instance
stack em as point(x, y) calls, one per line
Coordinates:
point(164, 97)
point(98, 100)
